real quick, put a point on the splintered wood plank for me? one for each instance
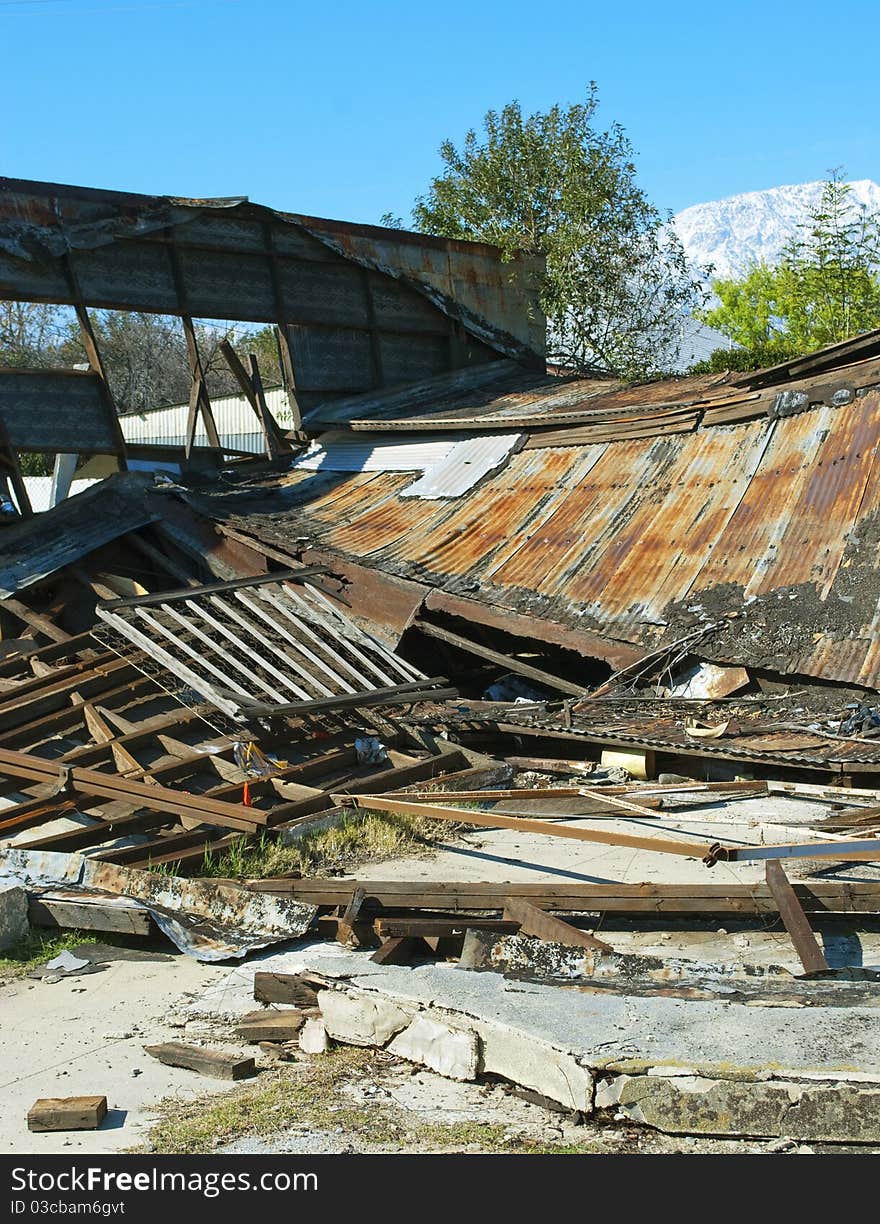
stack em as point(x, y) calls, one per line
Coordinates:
point(350, 932)
point(67, 1113)
point(541, 925)
point(206, 1062)
point(284, 988)
point(791, 912)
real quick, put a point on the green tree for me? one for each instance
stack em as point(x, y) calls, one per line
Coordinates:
point(617, 281)
point(825, 288)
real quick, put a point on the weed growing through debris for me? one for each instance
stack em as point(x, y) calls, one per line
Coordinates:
point(311, 1099)
point(364, 836)
point(38, 947)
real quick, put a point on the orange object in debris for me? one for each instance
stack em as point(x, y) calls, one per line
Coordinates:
point(246, 795)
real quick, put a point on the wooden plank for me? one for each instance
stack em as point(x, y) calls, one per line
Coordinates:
point(440, 927)
point(88, 916)
point(536, 922)
point(791, 912)
point(206, 1062)
point(284, 988)
point(349, 931)
point(816, 896)
point(490, 820)
point(110, 786)
point(508, 662)
point(36, 620)
point(67, 1113)
point(270, 1025)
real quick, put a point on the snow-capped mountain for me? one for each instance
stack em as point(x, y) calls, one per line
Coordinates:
point(738, 231)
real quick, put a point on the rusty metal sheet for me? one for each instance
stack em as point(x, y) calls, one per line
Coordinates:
point(208, 921)
point(643, 540)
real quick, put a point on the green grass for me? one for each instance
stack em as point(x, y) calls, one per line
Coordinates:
point(312, 1098)
point(362, 837)
point(37, 948)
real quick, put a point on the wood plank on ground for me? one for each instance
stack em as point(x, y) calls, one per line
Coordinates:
point(284, 988)
point(270, 1025)
point(89, 916)
point(206, 1062)
point(67, 1113)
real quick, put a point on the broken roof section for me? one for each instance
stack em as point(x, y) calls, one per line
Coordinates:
point(370, 306)
point(35, 548)
point(748, 516)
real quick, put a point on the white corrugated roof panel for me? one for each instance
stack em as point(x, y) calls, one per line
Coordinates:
point(467, 462)
point(339, 451)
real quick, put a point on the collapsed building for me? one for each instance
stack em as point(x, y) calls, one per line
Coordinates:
point(447, 567)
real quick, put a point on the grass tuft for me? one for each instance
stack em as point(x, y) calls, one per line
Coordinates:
point(360, 837)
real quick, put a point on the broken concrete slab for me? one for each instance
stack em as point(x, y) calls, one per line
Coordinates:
point(360, 1019)
point(693, 1104)
point(557, 1041)
point(453, 1052)
point(13, 914)
point(552, 1073)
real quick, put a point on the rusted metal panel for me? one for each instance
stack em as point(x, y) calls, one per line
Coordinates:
point(206, 920)
point(238, 260)
point(779, 520)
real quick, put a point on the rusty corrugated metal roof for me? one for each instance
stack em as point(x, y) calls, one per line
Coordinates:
point(640, 540)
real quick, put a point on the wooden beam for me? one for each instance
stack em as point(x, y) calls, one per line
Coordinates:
point(206, 1062)
point(47, 911)
point(541, 925)
point(39, 622)
point(573, 896)
point(791, 912)
point(506, 661)
point(685, 849)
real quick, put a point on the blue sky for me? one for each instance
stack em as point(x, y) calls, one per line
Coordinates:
point(338, 109)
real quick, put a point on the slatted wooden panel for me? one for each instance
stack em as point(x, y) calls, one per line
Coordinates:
point(262, 646)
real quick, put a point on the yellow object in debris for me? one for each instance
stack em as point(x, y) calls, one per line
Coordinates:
point(638, 764)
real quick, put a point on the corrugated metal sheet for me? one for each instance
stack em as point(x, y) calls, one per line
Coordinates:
point(451, 465)
point(237, 425)
point(466, 464)
point(643, 539)
point(344, 452)
point(501, 393)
